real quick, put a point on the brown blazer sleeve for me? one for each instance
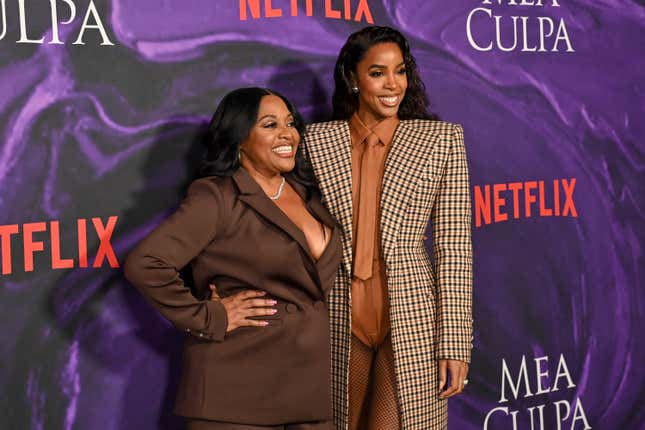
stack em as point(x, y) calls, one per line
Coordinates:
point(153, 266)
point(453, 255)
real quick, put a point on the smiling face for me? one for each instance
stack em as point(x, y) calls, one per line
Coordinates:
point(382, 81)
point(271, 145)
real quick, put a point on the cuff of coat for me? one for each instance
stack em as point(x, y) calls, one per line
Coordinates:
point(453, 352)
point(216, 324)
point(465, 357)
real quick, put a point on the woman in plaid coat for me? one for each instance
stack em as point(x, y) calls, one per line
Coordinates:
point(401, 322)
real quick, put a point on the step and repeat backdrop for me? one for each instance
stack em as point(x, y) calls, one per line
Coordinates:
point(103, 105)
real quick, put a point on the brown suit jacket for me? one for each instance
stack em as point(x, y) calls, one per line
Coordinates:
point(233, 234)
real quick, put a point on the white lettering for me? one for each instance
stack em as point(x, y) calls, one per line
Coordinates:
point(562, 370)
point(506, 376)
point(72, 14)
point(534, 31)
point(543, 37)
point(562, 35)
point(498, 33)
point(558, 413)
point(469, 33)
point(492, 411)
point(91, 10)
point(540, 409)
point(525, 33)
point(3, 6)
point(539, 374)
point(91, 21)
point(579, 413)
point(23, 25)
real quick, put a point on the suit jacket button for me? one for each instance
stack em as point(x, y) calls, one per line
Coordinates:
point(291, 308)
point(319, 305)
point(201, 334)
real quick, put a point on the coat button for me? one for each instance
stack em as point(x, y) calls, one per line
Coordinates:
point(291, 308)
point(319, 305)
point(201, 334)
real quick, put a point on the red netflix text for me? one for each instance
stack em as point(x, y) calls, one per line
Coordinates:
point(356, 10)
point(50, 239)
point(499, 202)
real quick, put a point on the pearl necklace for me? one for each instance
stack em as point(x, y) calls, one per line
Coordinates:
point(277, 195)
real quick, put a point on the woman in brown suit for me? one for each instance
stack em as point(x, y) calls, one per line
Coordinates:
point(386, 168)
point(258, 355)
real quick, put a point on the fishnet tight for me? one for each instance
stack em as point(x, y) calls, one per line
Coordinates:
point(372, 387)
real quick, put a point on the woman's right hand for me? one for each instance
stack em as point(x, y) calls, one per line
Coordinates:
point(239, 307)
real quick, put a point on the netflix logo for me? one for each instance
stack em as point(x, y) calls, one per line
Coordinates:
point(42, 237)
point(348, 10)
point(501, 202)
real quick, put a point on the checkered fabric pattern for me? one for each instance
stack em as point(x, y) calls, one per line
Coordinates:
point(425, 180)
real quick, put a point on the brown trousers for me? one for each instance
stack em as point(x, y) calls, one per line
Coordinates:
point(195, 424)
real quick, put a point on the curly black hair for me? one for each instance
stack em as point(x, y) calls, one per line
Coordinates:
point(345, 102)
point(231, 124)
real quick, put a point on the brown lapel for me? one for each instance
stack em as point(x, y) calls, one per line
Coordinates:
point(408, 158)
point(315, 206)
point(329, 150)
point(252, 195)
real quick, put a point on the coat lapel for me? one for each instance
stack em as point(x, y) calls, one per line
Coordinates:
point(252, 195)
point(404, 168)
point(316, 207)
point(329, 150)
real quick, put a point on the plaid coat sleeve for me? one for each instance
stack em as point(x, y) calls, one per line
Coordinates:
point(452, 249)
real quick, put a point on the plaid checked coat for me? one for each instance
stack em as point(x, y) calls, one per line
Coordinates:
point(425, 179)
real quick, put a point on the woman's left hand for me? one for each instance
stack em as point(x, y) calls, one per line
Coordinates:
point(458, 371)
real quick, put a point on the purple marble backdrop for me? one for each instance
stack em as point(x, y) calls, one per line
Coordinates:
point(97, 130)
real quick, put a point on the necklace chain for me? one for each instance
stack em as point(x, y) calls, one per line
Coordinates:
point(277, 195)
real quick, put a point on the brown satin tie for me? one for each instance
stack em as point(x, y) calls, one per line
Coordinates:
point(366, 228)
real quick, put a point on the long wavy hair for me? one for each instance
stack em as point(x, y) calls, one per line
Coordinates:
point(345, 102)
point(231, 124)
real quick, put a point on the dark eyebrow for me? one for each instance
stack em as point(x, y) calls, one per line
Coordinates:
point(379, 66)
point(274, 117)
point(267, 116)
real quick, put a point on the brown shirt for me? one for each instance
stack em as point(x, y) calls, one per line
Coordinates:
point(370, 303)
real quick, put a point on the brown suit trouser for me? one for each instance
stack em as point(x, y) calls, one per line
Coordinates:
point(194, 424)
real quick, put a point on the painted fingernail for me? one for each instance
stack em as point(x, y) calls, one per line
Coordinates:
point(265, 322)
point(273, 302)
point(273, 311)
